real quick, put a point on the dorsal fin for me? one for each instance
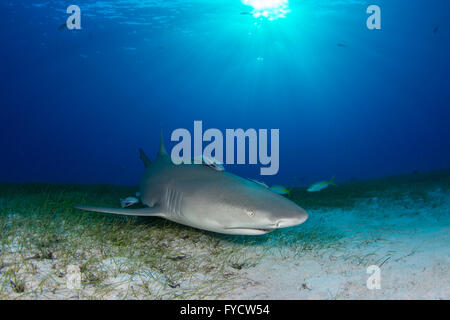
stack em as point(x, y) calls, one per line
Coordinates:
point(162, 150)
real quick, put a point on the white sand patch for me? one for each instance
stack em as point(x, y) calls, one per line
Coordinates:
point(410, 241)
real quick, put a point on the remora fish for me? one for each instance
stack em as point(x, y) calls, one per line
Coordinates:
point(205, 198)
point(128, 201)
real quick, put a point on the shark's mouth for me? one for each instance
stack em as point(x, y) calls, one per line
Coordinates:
point(250, 230)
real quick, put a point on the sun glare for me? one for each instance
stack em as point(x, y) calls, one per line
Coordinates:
point(269, 9)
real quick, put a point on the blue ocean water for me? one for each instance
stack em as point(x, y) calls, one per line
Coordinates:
point(351, 102)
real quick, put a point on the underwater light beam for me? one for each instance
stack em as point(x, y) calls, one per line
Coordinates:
point(270, 9)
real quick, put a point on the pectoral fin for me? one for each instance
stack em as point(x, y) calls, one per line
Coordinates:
point(144, 212)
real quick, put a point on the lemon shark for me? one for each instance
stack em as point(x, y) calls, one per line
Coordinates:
point(203, 197)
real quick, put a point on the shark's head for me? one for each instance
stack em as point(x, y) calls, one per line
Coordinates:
point(258, 210)
point(239, 206)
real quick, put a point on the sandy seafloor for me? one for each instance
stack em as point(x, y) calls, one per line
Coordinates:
point(409, 240)
point(401, 224)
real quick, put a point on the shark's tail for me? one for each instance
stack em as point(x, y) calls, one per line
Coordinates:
point(289, 192)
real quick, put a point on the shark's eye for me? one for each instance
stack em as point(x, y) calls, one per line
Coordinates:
point(251, 213)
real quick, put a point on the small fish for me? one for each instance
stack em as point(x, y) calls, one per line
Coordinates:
point(436, 29)
point(129, 201)
point(280, 190)
point(342, 45)
point(321, 185)
point(63, 26)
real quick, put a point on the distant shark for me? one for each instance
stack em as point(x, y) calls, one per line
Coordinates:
point(203, 197)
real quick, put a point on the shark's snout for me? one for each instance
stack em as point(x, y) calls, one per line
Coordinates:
point(292, 221)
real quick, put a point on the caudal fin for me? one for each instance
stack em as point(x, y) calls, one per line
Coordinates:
point(144, 212)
